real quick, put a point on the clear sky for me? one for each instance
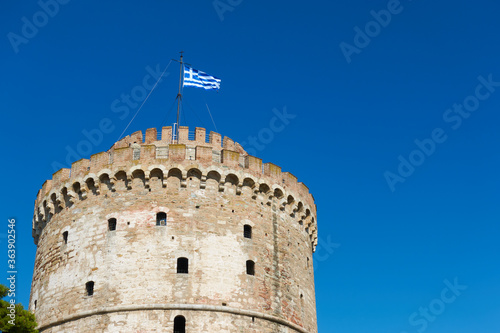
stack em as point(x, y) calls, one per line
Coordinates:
point(392, 122)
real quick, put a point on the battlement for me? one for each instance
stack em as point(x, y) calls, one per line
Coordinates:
point(156, 156)
point(197, 138)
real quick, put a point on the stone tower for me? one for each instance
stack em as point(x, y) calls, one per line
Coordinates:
point(195, 236)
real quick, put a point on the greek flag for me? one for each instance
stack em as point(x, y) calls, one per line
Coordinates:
point(196, 78)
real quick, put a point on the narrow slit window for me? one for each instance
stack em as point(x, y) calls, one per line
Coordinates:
point(179, 324)
point(247, 231)
point(112, 224)
point(65, 237)
point(182, 265)
point(161, 219)
point(250, 267)
point(89, 286)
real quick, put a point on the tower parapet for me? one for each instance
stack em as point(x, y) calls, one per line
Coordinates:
point(132, 153)
point(98, 222)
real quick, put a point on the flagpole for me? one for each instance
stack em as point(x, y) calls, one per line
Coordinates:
point(179, 96)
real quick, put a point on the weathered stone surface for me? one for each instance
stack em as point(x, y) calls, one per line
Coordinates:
point(134, 268)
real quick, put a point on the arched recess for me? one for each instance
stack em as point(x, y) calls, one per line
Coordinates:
point(91, 185)
point(78, 190)
point(290, 203)
point(174, 180)
point(138, 179)
point(247, 187)
point(156, 179)
point(213, 180)
point(307, 218)
point(56, 203)
point(230, 183)
point(265, 192)
point(278, 193)
point(193, 178)
point(121, 183)
point(300, 207)
point(46, 211)
point(106, 181)
point(66, 197)
point(264, 188)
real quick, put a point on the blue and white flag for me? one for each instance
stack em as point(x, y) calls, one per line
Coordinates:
point(196, 78)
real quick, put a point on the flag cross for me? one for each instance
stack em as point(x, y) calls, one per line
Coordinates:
point(199, 79)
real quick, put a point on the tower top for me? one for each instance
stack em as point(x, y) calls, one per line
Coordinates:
point(194, 150)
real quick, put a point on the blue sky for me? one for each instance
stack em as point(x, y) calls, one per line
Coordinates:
point(362, 92)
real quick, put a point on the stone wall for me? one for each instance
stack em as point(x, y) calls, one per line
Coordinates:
point(134, 268)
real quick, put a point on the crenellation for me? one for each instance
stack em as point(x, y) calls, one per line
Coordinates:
point(36, 205)
point(166, 134)
point(272, 170)
point(99, 160)
point(151, 135)
point(60, 176)
point(215, 140)
point(122, 155)
point(289, 180)
point(239, 148)
point(228, 144)
point(79, 168)
point(46, 187)
point(304, 191)
point(178, 153)
point(183, 134)
point(135, 137)
point(254, 164)
point(200, 135)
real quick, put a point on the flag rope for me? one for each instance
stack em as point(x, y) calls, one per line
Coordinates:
point(210, 113)
point(131, 120)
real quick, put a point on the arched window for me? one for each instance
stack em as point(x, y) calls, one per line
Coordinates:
point(183, 265)
point(250, 267)
point(89, 286)
point(247, 231)
point(179, 324)
point(65, 237)
point(112, 224)
point(161, 219)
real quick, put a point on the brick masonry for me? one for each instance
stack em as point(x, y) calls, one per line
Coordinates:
point(209, 189)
